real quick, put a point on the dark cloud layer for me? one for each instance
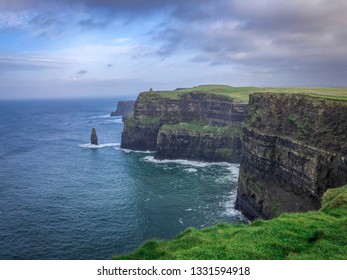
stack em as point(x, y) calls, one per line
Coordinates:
point(82, 72)
point(289, 38)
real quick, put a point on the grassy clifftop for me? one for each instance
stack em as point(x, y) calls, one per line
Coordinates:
point(313, 235)
point(241, 94)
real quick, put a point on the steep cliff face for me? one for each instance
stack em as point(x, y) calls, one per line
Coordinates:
point(140, 133)
point(191, 141)
point(295, 147)
point(191, 106)
point(153, 110)
point(124, 109)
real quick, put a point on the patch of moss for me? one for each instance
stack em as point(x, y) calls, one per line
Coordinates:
point(312, 235)
point(229, 130)
point(254, 116)
point(293, 117)
point(143, 120)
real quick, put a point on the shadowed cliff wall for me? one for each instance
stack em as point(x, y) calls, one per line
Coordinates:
point(294, 148)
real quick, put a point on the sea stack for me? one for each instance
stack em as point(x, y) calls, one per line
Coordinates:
point(94, 137)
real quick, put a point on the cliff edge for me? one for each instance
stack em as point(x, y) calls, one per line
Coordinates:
point(182, 124)
point(294, 148)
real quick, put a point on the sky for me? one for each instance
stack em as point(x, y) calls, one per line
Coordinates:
point(111, 48)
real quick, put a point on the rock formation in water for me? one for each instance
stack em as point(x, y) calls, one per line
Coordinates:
point(124, 109)
point(294, 148)
point(94, 137)
point(205, 112)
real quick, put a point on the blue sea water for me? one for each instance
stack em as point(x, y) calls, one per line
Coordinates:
point(61, 198)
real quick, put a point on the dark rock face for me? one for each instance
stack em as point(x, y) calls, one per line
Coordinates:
point(94, 137)
point(124, 109)
point(295, 147)
point(191, 106)
point(153, 110)
point(184, 144)
point(139, 136)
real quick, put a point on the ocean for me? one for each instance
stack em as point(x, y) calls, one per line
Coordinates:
point(62, 198)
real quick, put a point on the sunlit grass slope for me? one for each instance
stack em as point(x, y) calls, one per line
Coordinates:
point(313, 235)
point(242, 93)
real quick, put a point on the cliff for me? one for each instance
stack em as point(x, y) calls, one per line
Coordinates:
point(295, 147)
point(192, 141)
point(315, 235)
point(195, 107)
point(124, 109)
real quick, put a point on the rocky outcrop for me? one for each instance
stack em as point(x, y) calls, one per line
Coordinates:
point(207, 143)
point(94, 137)
point(295, 147)
point(124, 109)
point(153, 110)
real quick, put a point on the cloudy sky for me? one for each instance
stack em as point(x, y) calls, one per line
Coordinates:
point(109, 48)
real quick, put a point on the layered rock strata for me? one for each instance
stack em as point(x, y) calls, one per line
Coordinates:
point(191, 141)
point(294, 148)
point(153, 110)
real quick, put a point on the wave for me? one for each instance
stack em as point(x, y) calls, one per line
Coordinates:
point(128, 151)
point(100, 146)
point(102, 116)
point(226, 179)
point(234, 168)
point(188, 162)
point(191, 170)
point(229, 207)
point(114, 121)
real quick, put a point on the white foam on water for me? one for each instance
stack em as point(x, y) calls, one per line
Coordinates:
point(100, 146)
point(186, 162)
point(114, 121)
point(234, 168)
point(191, 170)
point(225, 179)
point(128, 151)
point(229, 206)
point(180, 220)
point(100, 117)
point(67, 123)
point(232, 176)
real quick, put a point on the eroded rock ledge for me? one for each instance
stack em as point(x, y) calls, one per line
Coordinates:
point(294, 149)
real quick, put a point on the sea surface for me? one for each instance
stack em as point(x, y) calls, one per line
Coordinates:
point(62, 198)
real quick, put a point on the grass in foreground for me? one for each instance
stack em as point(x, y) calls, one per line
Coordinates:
point(313, 235)
point(241, 94)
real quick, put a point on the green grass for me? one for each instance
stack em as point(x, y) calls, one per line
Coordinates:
point(142, 120)
point(241, 94)
point(313, 235)
point(229, 130)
